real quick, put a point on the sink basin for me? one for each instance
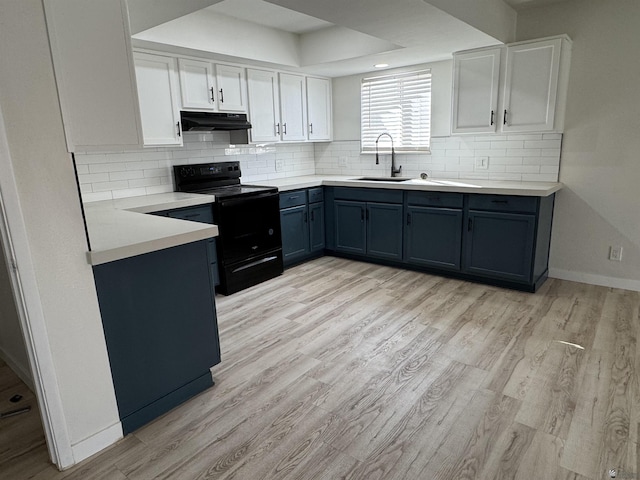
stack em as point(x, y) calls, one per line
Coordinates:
point(383, 179)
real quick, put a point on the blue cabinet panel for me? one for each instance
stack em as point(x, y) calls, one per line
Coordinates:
point(294, 223)
point(503, 203)
point(316, 227)
point(350, 227)
point(384, 230)
point(433, 237)
point(159, 319)
point(500, 245)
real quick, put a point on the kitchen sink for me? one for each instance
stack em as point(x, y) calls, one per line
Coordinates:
point(383, 179)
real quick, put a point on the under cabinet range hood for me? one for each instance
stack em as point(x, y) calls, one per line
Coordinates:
point(206, 122)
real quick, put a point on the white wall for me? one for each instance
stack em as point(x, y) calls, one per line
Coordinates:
point(211, 32)
point(12, 347)
point(51, 213)
point(600, 166)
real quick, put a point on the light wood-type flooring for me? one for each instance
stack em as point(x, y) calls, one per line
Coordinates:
point(340, 369)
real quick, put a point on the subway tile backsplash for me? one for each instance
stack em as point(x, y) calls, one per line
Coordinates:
point(522, 157)
point(104, 176)
point(527, 158)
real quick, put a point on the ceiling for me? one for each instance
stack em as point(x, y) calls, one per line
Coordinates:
point(329, 37)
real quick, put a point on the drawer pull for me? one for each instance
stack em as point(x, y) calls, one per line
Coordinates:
point(469, 224)
point(502, 202)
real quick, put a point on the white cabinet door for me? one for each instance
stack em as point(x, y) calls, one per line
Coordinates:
point(531, 85)
point(475, 91)
point(158, 95)
point(232, 96)
point(319, 108)
point(197, 86)
point(293, 108)
point(263, 105)
point(91, 50)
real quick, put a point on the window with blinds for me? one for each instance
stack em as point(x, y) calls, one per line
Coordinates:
point(399, 105)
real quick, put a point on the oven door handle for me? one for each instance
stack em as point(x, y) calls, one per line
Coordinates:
point(243, 199)
point(255, 264)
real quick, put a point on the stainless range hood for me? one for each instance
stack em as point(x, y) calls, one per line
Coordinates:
point(235, 123)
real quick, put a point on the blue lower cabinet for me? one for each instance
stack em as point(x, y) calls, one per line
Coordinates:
point(159, 319)
point(433, 237)
point(500, 245)
point(350, 226)
point(294, 223)
point(384, 230)
point(316, 227)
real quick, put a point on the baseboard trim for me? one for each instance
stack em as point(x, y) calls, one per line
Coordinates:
point(593, 279)
point(97, 442)
point(20, 370)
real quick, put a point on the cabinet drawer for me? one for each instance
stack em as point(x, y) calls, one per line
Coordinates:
point(293, 198)
point(315, 195)
point(202, 214)
point(368, 194)
point(503, 203)
point(435, 199)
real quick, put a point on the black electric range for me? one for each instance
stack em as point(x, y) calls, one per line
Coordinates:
point(249, 244)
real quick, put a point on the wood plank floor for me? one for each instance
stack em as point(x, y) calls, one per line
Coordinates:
point(340, 369)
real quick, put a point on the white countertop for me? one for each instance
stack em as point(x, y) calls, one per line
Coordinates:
point(495, 187)
point(121, 228)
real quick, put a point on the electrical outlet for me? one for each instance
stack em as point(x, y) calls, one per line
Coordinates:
point(342, 162)
point(482, 163)
point(279, 165)
point(615, 253)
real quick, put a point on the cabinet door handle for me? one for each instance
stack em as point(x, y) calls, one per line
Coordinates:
point(305, 218)
point(293, 197)
point(284, 128)
point(213, 98)
point(361, 214)
point(311, 128)
point(221, 96)
point(367, 214)
point(277, 129)
point(408, 219)
point(178, 127)
point(492, 114)
point(469, 224)
point(312, 215)
point(504, 121)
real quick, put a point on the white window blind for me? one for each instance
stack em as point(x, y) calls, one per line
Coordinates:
point(399, 105)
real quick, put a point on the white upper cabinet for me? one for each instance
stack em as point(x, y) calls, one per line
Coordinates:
point(533, 79)
point(293, 108)
point(232, 88)
point(158, 93)
point(93, 62)
point(531, 86)
point(319, 108)
point(475, 86)
point(264, 105)
point(207, 87)
point(197, 87)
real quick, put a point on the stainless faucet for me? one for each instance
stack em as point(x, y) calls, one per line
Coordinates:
point(394, 171)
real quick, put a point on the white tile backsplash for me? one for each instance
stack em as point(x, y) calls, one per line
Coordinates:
point(133, 173)
point(522, 157)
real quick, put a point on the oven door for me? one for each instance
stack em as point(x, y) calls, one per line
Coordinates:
point(249, 226)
